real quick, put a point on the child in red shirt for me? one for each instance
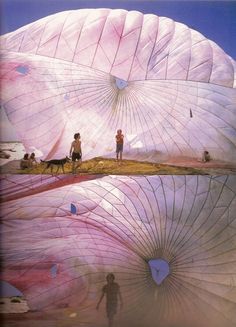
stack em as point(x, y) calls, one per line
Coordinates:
point(119, 144)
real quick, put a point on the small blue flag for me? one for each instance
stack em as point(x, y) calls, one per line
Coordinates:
point(73, 209)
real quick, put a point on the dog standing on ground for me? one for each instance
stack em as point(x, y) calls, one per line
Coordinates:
point(55, 162)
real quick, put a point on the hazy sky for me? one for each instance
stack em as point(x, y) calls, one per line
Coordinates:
point(216, 20)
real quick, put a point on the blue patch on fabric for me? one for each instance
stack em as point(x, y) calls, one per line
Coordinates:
point(73, 209)
point(22, 69)
point(160, 269)
point(53, 271)
point(120, 83)
point(66, 96)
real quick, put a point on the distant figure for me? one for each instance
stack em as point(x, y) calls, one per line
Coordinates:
point(4, 155)
point(206, 156)
point(119, 144)
point(76, 152)
point(25, 162)
point(112, 291)
point(32, 159)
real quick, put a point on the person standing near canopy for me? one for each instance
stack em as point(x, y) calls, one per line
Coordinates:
point(76, 152)
point(112, 292)
point(119, 145)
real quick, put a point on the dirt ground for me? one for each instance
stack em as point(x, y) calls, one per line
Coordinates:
point(104, 166)
point(39, 319)
point(65, 318)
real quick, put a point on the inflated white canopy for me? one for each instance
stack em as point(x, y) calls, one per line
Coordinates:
point(93, 71)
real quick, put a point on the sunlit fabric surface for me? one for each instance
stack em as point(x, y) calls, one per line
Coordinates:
point(59, 260)
point(170, 90)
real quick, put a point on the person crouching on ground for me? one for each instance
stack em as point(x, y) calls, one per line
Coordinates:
point(112, 292)
point(76, 152)
point(25, 162)
point(32, 159)
point(206, 156)
point(119, 145)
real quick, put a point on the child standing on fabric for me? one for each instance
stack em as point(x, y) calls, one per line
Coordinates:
point(119, 144)
point(112, 292)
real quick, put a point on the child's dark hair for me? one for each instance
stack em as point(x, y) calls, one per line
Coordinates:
point(110, 275)
point(76, 135)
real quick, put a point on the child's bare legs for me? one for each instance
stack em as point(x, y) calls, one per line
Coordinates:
point(119, 157)
point(79, 164)
point(110, 321)
point(74, 166)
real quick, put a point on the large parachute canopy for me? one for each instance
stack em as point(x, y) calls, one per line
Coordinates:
point(93, 71)
point(169, 240)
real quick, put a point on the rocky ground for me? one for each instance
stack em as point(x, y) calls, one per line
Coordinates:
point(13, 305)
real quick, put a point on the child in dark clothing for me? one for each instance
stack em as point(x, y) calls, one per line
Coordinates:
point(206, 156)
point(76, 152)
point(112, 292)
